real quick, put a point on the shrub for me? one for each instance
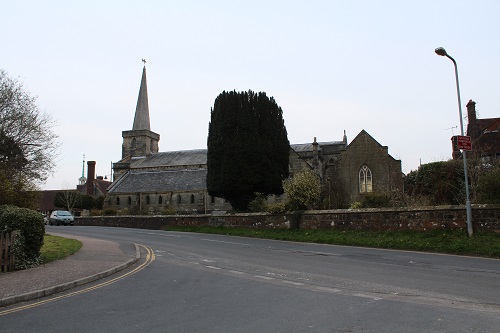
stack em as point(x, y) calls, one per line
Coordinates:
point(109, 212)
point(442, 182)
point(302, 190)
point(277, 208)
point(259, 203)
point(375, 200)
point(355, 205)
point(29, 240)
point(168, 211)
point(489, 188)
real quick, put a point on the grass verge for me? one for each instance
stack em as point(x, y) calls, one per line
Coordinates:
point(56, 248)
point(482, 244)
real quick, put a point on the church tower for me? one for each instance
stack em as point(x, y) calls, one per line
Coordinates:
point(140, 141)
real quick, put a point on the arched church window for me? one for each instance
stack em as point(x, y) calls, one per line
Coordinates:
point(179, 198)
point(212, 199)
point(160, 200)
point(118, 201)
point(129, 201)
point(192, 198)
point(147, 200)
point(365, 180)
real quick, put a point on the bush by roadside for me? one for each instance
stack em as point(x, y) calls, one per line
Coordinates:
point(29, 240)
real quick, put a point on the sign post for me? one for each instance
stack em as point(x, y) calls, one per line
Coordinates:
point(464, 142)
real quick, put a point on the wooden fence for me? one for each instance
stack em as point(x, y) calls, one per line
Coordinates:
point(6, 254)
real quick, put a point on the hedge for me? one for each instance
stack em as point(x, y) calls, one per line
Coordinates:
point(29, 240)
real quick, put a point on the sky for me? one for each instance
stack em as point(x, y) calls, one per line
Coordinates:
point(331, 66)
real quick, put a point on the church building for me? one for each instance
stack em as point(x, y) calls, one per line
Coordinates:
point(175, 181)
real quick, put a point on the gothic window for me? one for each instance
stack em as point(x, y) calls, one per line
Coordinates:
point(147, 200)
point(179, 198)
point(160, 200)
point(365, 180)
point(212, 199)
point(192, 198)
point(129, 201)
point(118, 201)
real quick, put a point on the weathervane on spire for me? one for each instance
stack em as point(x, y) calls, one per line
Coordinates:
point(144, 61)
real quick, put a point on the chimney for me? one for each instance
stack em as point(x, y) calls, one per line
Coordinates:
point(472, 119)
point(90, 177)
point(456, 154)
point(315, 161)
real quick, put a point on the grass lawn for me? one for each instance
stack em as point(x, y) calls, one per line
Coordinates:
point(55, 248)
point(482, 244)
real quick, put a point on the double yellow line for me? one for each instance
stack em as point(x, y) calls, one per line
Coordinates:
point(150, 257)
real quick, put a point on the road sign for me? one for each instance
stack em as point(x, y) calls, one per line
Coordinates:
point(464, 142)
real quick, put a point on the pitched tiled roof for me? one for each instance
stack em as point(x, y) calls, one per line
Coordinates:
point(489, 124)
point(488, 140)
point(100, 186)
point(160, 181)
point(47, 198)
point(171, 159)
point(303, 147)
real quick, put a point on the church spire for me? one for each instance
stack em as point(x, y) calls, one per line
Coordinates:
point(140, 141)
point(141, 119)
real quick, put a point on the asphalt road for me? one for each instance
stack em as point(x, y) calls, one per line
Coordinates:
point(213, 283)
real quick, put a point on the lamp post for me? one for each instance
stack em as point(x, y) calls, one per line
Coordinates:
point(442, 52)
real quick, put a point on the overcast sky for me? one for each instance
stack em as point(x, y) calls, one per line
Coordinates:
point(331, 65)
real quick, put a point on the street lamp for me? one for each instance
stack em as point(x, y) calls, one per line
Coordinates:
point(442, 52)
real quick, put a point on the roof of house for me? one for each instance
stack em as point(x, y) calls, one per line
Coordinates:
point(489, 124)
point(488, 141)
point(100, 185)
point(306, 147)
point(171, 159)
point(47, 198)
point(160, 181)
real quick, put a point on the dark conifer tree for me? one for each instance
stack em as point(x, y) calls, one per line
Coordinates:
point(248, 148)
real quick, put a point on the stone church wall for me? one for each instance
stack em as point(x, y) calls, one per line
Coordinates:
point(194, 202)
point(484, 217)
point(386, 171)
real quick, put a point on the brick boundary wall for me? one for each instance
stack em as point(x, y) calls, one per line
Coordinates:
point(484, 218)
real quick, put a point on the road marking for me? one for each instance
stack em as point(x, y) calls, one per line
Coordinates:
point(219, 241)
point(328, 289)
point(150, 257)
point(213, 267)
point(264, 277)
point(368, 296)
point(293, 282)
point(237, 272)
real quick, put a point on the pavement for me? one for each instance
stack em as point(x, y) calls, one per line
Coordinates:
point(95, 260)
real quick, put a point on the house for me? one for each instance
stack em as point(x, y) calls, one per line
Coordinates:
point(92, 185)
point(484, 133)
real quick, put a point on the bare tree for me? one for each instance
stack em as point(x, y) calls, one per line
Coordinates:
point(67, 199)
point(28, 144)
